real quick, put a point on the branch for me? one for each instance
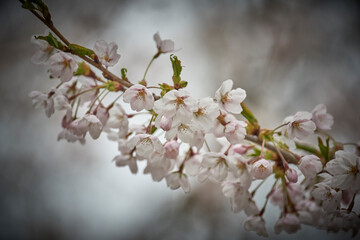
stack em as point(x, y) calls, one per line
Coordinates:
point(107, 74)
point(287, 155)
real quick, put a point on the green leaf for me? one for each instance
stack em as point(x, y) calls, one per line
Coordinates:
point(123, 73)
point(83, 69)
point(80, 50)
point(165, 88)
point(177, 68)
point(38, 5)
point(324, 149)
point(52, 41)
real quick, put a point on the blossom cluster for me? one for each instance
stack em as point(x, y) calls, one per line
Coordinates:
point(315, 181)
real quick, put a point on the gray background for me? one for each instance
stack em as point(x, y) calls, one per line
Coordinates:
point(288, 55)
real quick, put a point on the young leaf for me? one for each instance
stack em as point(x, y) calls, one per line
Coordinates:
point(80, 50)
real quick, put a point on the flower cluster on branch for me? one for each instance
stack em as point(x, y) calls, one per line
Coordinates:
point(315, 181)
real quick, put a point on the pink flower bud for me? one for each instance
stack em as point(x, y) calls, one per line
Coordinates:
point(261, 169)
point(291, 175)
point(165, 123)
point(172, 149)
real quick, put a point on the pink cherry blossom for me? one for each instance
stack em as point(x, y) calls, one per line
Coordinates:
point(44, 52)
point(218, 165)
point(118, 119)
point(70, 137)
point(238, 194)
point(321, 118)
point(230, 99)
point(172, 149)
point(126, 160)
point(256, 223)
point(206, 113)
point(310, 165)
point(139, 97)
point(289, 223)
point(88, 123)
point(164, 46)
point(345, 169)
point(235, 131)
point(107, 53)
point(261, 169)
point(62, 66)
point(145, 145)
point(291, 175)
point(176, 179)
point(176, 104)
point(300, 125)
point(329, 197)
point(42, 99)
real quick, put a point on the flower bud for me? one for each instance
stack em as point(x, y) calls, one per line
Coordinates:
point(261, 169)
point(165, 123)
point(291, 175)
point(172, 149)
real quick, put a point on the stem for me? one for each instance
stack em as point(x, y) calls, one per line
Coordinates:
point(282, 125)
point(85, 91)
point(148, 66)
point(267, 197)
point(92, 104)
point(207, 145)
point(77, 108)
point(352, 203)
point(262, 149)
point(148, 129)
point(257, 187)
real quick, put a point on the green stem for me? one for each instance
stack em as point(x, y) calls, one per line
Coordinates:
point(148, 66)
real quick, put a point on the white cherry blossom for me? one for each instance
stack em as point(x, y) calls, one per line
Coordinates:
point(88, 123)
point(261, 169)
point(43, 99)
point(176, 104)
point(230, 99)
point(345, 169)
point(206, 113)
point(300, 125)
point(44, 52)
point(321, 118)
point(235, 131)
point(164, 46)
point(139, 97)
point(126, 160)
point(118, 119)
point(177, 179)
point(310, 165)
point(256, 223)
point(330, 197)
point(289, 223)
point(238, 194)
point(218, 165)
point(145, 144)
point(106, 52)
point(62, 66)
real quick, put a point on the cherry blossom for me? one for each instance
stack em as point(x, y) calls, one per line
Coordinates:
point(177, 179)
point(257, 224)
point(238, 194)
point(139, 98)
point(330, 197)
point(62, 66)
point(206, 113)
point(106, 52)
point(321, 118)
point(235, 131)
point(345, 169)
point(310, 165)
point(289, 223)
point(300, 125)
point(145, 145)
point(229, 99)
point(176, 104)
point(44, 52)
point(42, 99)
point(164, 46)
point(126, 160)
point(261, 169)
point(88, 123)
point(218, 165)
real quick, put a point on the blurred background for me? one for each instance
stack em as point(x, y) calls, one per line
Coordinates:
point(288, 55)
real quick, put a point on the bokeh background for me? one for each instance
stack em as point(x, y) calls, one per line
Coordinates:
point(288, 55)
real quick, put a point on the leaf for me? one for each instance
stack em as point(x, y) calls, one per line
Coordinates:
point(123, 73)
point(177, 68)
point(38, 5)
point(83, 69)
point(80, 50)
point(52, 41)
point(324, 149)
